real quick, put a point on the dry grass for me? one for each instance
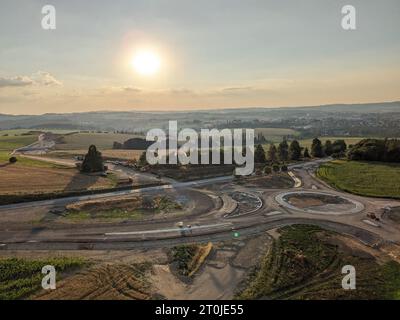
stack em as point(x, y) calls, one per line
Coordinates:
point(107, 154)
point(27, 180)
point(199, 258)
point(105, 282)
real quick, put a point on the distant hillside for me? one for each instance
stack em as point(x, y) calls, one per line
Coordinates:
point(135, 121)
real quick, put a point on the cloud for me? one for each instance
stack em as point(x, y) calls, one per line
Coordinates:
point(19, 81)
point(130, 89)
point(235, 89)
point(120, 89)
point(46, 79)
point(40, 78)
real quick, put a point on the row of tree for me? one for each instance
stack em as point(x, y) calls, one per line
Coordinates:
point(386, 150)
point(293, 151)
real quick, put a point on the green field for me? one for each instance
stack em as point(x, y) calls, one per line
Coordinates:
point(5, 156)
point(305, 263)
point(373, 179)
point(20, 278)
point(8, 143)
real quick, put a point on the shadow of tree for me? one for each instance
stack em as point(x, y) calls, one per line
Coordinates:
point(81, 181)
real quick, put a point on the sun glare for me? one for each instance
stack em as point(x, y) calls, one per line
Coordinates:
point(146, 63)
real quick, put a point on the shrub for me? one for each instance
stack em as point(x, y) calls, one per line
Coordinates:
point(275, 168)
point(284, 168)
point(12, 160)
point(267, 170)
point(93, 161)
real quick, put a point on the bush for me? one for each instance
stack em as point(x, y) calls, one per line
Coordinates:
point(12, 160)
point(275, 168)
point(284, 168)
point(267, 170)
point(93, 161)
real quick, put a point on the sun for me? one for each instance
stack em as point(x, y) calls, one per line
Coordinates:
point(146, 63)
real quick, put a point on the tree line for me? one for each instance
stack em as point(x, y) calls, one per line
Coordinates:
point(294, 152)
point(385, 150)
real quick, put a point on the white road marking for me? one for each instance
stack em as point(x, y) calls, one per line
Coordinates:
point(166, 230)
point(273, 213)
point(297, 181)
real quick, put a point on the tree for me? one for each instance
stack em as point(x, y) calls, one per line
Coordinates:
point(339, 146)
point(272, 153)
point(284, 168)
point(93, 161)
point(275, 168)
point(283, 151)
point(387, 150)
point(259, 154)
point(306, 153)
point(294, 150)
point(143, 159)
point(316, 148)
point(328, 148)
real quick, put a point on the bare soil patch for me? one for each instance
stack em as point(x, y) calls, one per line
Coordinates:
point(272, 181)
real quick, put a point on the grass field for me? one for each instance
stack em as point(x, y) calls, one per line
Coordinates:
point(364, 178)
point(9, 143)
point(306, 262)
point(26, 162)
point(84, 140)
point(20, 278)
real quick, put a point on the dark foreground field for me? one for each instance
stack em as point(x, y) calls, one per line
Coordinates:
point(305, 262)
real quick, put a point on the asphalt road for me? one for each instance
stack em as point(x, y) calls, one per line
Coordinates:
point(210, 226)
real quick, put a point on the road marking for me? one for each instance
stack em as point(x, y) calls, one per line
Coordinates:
point(273, 213)
point(166, 230)
point(297, 181)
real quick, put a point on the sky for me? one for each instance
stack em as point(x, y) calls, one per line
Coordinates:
point(212, 54)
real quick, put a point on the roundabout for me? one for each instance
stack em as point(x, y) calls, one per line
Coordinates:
point(317, 202)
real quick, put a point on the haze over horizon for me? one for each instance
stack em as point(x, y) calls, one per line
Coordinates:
point(178, 55)
point(351, 107)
